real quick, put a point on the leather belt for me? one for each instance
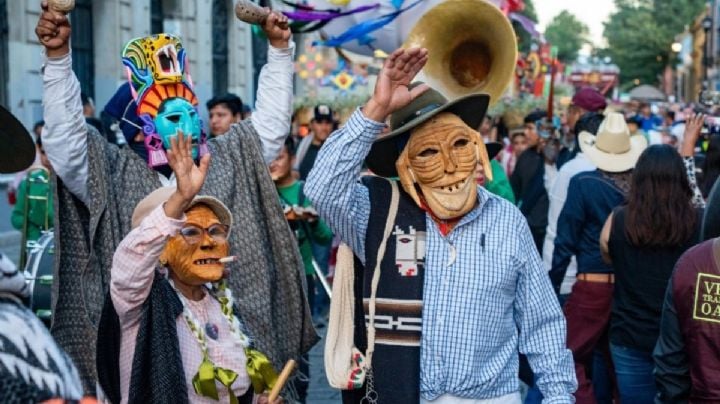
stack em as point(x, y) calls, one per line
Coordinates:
point(595, 277)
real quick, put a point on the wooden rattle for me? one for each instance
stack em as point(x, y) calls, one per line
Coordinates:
point(251, 13)
point(62, 6)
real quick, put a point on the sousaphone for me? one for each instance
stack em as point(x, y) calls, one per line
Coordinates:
point(471, 45)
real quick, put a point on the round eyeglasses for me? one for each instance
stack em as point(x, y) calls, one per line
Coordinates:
point(194, 234)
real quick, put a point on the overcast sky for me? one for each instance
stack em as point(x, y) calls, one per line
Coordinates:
point(591, 12)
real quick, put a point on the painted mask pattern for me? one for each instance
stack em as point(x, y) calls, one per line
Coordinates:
point(163, 90)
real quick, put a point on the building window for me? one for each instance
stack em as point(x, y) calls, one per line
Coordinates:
point(82, 46)
point(156, 16)
point(4, 73)
point(220, 27)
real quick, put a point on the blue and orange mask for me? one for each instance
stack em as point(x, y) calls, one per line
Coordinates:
point(163, 91)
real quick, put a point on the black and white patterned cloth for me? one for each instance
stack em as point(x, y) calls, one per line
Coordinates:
point(32, 366)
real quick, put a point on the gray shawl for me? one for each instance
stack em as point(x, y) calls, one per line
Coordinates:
point(267, 280)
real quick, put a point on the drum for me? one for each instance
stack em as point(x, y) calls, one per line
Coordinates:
point(39, 273)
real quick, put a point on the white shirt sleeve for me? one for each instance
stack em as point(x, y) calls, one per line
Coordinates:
point(64, 135)
point(274, 101)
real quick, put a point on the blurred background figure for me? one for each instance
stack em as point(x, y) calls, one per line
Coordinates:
point(643, 240)
point(224, 110)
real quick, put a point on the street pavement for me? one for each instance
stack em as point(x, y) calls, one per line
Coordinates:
point(320, 391)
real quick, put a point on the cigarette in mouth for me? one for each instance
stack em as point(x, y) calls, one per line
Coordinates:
point(225, 260)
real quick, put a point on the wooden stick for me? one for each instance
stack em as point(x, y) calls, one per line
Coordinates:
point(282, 379)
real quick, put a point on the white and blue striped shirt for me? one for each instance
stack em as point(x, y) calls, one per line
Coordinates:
point(480, 308)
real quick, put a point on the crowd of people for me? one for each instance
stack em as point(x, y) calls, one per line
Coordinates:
point(576, 254)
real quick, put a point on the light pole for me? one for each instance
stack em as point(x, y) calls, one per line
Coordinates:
point(707, 24)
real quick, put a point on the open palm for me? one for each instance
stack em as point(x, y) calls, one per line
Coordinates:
point(190, 177)
point(400, 68)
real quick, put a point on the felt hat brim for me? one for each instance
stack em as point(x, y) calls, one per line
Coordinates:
point(18, 148)
point(612, 163)
point(386, 149)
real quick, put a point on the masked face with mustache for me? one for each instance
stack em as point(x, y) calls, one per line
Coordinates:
point(193, 254)
point(437, 166)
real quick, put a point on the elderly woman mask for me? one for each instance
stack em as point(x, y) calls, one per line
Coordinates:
point(193, 254)
point(439, 161)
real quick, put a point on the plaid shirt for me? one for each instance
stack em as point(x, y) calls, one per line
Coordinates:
point(132, 275)
point(481, 307)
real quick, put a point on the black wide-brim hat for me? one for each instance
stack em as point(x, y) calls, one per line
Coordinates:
point(18, 148)
point(386, 149)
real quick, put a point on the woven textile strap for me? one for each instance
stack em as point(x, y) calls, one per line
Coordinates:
point(345, 366)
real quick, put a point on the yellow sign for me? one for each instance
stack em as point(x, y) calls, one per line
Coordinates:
point(707, 298)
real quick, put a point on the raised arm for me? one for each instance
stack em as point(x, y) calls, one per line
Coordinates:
point(65, 132)
point(134, 261)
point(273, 112)
point(693, 127)
point(332, 184)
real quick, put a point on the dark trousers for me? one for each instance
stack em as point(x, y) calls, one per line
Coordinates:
point(587, 311)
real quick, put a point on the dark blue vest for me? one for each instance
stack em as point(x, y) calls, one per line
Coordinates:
point(398, 308)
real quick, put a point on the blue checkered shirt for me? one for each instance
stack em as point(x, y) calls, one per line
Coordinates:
point(493, 300)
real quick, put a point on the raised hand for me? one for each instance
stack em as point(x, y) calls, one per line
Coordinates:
point(190, 178)
point(277, 30)
point(391, 89)
point(53, 31)
point(693, 127)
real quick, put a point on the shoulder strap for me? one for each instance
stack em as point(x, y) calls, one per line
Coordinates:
point(389, 225)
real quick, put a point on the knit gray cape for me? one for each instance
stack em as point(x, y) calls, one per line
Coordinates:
point(267, 280)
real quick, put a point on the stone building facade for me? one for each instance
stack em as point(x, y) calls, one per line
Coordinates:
point(220, 48)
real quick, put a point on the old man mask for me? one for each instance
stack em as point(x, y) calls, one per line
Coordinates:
point(437, 166)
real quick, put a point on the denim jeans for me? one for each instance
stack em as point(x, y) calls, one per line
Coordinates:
point(634, 373)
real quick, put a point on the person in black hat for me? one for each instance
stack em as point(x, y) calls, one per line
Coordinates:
point(321, 126)
point(450, 282)
point(33, 368)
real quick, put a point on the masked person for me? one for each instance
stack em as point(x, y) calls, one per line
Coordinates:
point(159, 298)
point(100, 185)
point(447, 274)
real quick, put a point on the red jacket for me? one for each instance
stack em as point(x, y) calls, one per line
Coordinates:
point(687, 354)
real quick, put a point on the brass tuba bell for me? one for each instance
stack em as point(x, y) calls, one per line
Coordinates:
point(471, 47)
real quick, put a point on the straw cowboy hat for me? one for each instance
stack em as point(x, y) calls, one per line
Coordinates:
point(386, 149)
point(613, 149)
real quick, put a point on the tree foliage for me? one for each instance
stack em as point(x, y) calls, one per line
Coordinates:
point(640, 32)
point(524, 39)
point(568, 34)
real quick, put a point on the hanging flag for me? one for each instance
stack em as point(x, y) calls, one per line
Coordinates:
point(360, 32)
point(325, 15)
point(527, 24)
